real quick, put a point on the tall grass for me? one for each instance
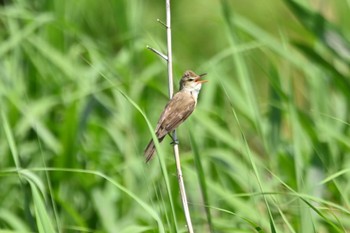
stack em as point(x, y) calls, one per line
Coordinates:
point(267, 149)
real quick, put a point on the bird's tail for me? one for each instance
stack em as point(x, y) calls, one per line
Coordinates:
point(150, 149)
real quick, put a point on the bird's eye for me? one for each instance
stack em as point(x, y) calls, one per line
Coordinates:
point(191, 79)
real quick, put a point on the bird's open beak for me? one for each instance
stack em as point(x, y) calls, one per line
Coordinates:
point(197, 80)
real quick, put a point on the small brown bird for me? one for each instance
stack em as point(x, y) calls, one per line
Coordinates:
point(178, 108)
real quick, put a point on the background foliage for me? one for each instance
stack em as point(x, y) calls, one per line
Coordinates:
point(267, 149)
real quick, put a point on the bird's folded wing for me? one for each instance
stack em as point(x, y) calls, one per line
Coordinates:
point(176, 111)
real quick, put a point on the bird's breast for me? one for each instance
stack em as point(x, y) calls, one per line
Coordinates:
point(194, 95)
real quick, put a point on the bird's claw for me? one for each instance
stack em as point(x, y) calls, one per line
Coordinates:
point(175, 142)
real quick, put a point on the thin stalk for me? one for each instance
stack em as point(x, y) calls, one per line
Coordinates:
point(169, 59)
point(176, 146)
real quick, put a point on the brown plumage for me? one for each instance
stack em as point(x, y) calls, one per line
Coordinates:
point(178, 109)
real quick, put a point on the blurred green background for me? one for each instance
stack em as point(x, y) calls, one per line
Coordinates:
point(267, 149)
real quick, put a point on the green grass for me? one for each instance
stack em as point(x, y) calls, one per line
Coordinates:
point(267, 149)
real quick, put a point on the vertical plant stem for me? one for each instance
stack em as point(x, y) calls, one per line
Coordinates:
point(182, 189)
point(176, 147)
point(170, 53)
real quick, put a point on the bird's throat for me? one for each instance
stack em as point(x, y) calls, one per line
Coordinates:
point(193, 91)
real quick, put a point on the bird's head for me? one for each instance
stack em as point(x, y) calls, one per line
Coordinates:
point(191, 81)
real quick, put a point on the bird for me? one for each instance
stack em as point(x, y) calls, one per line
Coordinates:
point(178, 109)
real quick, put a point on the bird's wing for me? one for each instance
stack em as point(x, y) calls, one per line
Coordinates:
point(175, 112)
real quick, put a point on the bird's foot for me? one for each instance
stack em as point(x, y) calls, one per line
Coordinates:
point(175, 141)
